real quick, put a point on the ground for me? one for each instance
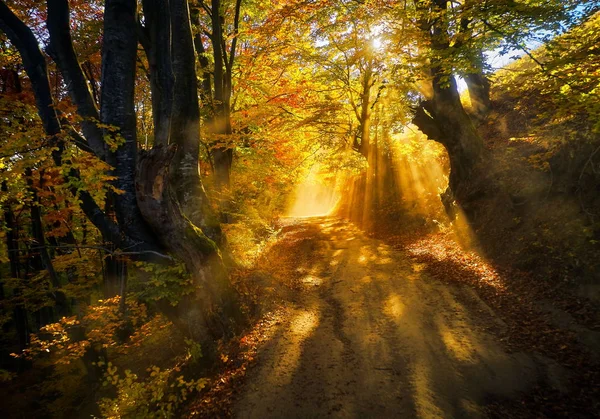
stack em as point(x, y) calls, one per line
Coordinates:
point(369, 333)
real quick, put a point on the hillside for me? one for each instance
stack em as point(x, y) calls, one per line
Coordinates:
point(544, 135)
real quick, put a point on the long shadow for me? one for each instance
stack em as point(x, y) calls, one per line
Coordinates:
point(514, 297)
point(386, 341)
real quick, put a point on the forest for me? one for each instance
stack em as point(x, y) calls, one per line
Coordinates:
point(300, 208)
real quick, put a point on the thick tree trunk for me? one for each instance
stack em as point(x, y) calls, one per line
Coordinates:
point(119, 51)
point(211, 310)
point(185, 127)
point(447, 122)
point(149, 215)
point(443, 118)
point(35, 66)
point(157, 18)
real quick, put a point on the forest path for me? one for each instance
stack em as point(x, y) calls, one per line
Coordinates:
point(370, 335)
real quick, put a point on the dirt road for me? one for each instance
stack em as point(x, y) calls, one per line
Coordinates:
point(370, 335)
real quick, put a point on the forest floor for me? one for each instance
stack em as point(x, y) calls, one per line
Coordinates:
point(368, 331)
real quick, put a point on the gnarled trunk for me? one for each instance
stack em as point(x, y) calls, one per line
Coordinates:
point(119, 51)
point(185, 127)
point(211, 310)
point(150, 217)
point(443, 119)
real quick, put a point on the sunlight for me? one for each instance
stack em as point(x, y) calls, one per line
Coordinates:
point(420, 176)
point(406, 166)
point(311, 280)
point(376, 43)
point(303, 324)
point(394, 307)
point(425, 397)
point(384, 261)
point(459, 346)
point(366, 255)
point(314, 196)
point(445, 250)
point(415, 170)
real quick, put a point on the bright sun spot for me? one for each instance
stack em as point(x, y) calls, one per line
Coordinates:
point(376, 42)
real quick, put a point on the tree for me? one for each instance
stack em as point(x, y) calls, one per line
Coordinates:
point(159, 192)
point(219, 23)
point(454, 36)
point(441, 117)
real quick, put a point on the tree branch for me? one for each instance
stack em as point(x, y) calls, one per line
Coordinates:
point(62, 52)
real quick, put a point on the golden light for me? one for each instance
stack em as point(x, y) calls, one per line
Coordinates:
point(376, 43)
point(314, 196)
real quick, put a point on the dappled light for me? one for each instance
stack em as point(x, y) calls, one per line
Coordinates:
point(419, 339)
point(443, 249)
point(299, 209)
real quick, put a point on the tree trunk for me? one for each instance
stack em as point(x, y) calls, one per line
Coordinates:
point(365, 115)
point(220, 125)
point(185, 127)
point(205, 71)
point(119, 51)
point(443, 118)
point(157, 18)
point(35, 65)
point(149, 216)
point(211, 310)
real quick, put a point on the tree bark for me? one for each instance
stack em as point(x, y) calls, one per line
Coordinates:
point(206, 91)
point(220, 123)
point(149, 215)
point(211, 310)
point(35, 66)
point(157, 16)
point(365, 114)
point(119, 51)
point(443, 118)
point(185, 127)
